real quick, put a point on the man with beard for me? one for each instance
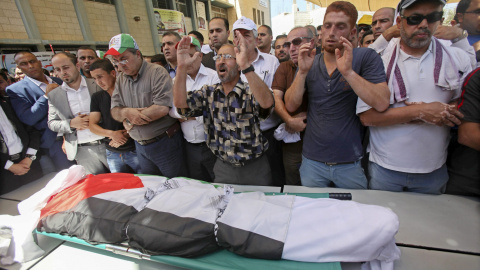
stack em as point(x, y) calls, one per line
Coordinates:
point(218, 32)
point(334, 80)
point(231, 113)
point(282, 50)
point(408, 141)
point(85, 57)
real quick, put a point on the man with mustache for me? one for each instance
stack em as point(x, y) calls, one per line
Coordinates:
point(231, 112)
point(218, 32)
point(282, 52)
point(334, 80)
point(408, 141)
point(85, 57)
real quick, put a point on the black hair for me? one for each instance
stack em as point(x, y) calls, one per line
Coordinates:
point(171, 33)
point(87, 48)
point(103, 64)
point(269, 29)
point(319, 27)
point(225, 21)
point(463, 6)
point(198, 35)
point(366, 33)
point(71, 56)
point(159, 58)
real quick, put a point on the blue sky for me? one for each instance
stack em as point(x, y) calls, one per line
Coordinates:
point(279, 6)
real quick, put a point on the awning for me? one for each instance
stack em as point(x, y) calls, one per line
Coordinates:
point(367, 5)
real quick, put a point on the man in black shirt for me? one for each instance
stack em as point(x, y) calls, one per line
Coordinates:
point(121, 152)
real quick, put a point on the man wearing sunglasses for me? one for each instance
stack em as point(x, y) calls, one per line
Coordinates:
point(232, 111)
point(295, 121)
point(282, 50)
point(334, 80)
point(468, 16)
point(408, 141)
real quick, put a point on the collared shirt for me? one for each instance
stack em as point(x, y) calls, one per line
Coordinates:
point(283, 79)
point(171, 71)
point(79, 101)
point(151, 86)
point(265, 66)
point(231, 122)
point(193, 130)
point(40, 84)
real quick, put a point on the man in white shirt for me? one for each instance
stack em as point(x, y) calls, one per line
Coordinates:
point(408, 141)
point(200, 159)
point(68, 113)
point(265, 66)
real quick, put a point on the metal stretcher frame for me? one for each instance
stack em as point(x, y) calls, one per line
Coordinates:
point(218, 260)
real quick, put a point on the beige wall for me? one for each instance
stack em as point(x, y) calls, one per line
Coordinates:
point(56, 19)
point(103, 20)
point(11, 24)
point(140, 30)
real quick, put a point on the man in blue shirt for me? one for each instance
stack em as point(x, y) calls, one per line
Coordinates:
point(334, 80)
point(468, 15)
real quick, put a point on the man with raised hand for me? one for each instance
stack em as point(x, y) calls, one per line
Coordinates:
point(334, 80)
point(141, 100)
point(408, 141)
point(231, 113)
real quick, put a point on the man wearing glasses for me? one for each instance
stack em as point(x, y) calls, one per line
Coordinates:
point(295, 121)
point(141, 100)
point(334, 81)
point(282, 50)
point(231, 112)
point(468, 14)
point(408, 141)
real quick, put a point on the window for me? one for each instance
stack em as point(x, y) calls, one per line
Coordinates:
point(182, 7)
point(219, 12)
point(163, 4)
point(263, 17)
point(255, 15)
point(259, 18)
point(110, 2)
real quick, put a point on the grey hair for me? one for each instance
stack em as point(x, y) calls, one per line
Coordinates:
point(255, 33)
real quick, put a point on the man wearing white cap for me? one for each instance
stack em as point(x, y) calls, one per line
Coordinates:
point(408, 141)
point(141, 100)
point(265, 66)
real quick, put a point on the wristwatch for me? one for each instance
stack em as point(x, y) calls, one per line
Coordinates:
point(464, 35)
point(250, 68)
point(32, 157)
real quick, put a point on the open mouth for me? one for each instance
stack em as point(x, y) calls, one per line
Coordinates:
point(222, 70)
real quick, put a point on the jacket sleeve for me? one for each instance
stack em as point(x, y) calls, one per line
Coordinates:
point(55, 123)
point(28, 112)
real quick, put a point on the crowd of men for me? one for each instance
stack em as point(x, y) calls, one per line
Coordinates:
point(389, 103)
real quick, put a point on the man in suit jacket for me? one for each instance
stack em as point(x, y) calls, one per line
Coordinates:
point(68, 113)
point(18, 148)
point(29, 100)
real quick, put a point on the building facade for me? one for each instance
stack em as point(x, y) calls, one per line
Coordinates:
point(46, 25)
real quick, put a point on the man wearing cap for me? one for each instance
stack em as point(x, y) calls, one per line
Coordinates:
point(231, 112)
point(408, 141)
point(334, 80)
point(68, 113)
point(218, 32)
point(265, 66)
point(200, 160)
point(141, 100)
point(363, 25)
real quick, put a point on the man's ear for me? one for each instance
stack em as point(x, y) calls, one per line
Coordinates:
point(399, 20)
point(113, 73)
point(77, 65)
point(460, 17)
point(353, 32)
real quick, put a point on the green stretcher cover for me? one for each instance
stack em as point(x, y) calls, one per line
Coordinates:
point(224, 259)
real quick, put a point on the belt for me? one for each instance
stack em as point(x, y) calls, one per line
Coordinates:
point(16, 156)
point(337, 163)
point(198, 144)
point(97, 142)
point(152, 140)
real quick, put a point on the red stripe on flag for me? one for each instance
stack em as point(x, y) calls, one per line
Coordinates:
point(90, 186)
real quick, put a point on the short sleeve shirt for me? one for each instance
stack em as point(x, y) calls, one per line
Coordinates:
point(334, 132)
point(152, 86)
point(470, 101)
point(100, 102)
point(231, 122)
point(283, 79)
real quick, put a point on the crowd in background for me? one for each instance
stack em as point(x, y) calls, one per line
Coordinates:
point(388, 102)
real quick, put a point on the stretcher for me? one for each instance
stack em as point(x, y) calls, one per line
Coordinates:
point(221, 259)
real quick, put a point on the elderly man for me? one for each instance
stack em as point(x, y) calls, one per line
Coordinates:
point(141, 100)
point(218, 32)
point(265, 66)
point(68, 113)
point(408, 142)
point(295, 121)
point(200, 160)
point(169, 42)
point(282, 50)
point(332, 146)
point(232, 111)
point(264, 39)
point(85, 57)
point(29, 100)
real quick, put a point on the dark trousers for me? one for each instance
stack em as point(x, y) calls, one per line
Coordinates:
point(292, 159)
point(275, 159)
point(255, 172)
point(10, 182)
point(200, 161)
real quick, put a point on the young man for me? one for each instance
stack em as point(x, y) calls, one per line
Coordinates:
point(121, 154)
point(408, 142)
point(68, 113)
point(169, 41)
point(264, 39)
point(367, 39)
point(85, 57)
point(232, 111)
point(334, 80)
point(218, 32)
point(282, 50)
